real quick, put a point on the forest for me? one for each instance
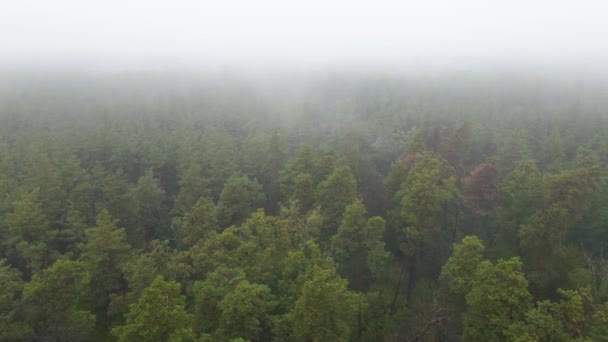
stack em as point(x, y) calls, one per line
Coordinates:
point(335, 207)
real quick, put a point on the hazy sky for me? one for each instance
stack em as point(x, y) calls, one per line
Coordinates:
point(164, 34)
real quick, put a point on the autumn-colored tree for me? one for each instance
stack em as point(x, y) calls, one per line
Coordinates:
point(481, 189)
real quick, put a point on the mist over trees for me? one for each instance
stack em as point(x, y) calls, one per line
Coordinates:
point(326, 207)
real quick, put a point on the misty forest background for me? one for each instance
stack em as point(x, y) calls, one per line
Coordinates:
point(151, 207)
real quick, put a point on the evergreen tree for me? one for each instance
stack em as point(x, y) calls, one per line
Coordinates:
point(325, 310)
point(104, 255)
point(149, 203)
point(492, 306)
point(196, 223)
point(158, 315)
point(358, 246)
point(239, 198)
point(334, 194)
point(52, 301)
point(12, 327)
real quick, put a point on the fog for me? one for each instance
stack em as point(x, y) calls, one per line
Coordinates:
point(271, 34)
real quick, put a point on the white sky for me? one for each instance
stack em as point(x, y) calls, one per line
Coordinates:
point(150, 34)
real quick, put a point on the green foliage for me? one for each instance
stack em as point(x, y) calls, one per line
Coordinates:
point(256, 209)
point(52, 301)
point(460, 269)
point(498, 298)
point(515, 148)
point(553, 155)
point(520, 198)
point(334, 194)
point(239, 198)
point(28, 222)
point(104, 255)
point(303, 162)
point(196, 223)
point(426, 189)
point(12, 328)
point(158, 315)
point(325, 310)
point(358, 246)
point(554, 321)
point(141, 270)
point(298, 267)
point(209, 293)
point(598, 324)
point(245, 312)
point(148, 198)
point(303, 192)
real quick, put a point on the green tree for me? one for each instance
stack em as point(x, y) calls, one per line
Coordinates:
point(29, 233)
point(218, 158)
point(598, 324)
point(520, 199)
point(298, 267)
point(513, 147)
point(209, 293)
point(113, 193)
point(196, 223)
point(456, 278)
point(28, 222)
point(192, 186)
point(263, 157)
point(302, 162)
point(104, 255)
point(12, 327)
point(553, 155)
point(42, 174)
point(460, 268)
point(246, 312)
point(562, 321)
point(239, 198)
point(334, 194)
point(458, 148)
point(158, 315)
point(427, 188)
point(326, 309)
point(358, 246)
point(498, 298)
point(303, 192)
point(149, 200)
point(568, 196)
point(53, 300)
point(141, 269)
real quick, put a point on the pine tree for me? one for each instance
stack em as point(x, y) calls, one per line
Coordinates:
point(158, 315)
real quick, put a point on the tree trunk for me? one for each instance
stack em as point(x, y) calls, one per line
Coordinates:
point(398, 287)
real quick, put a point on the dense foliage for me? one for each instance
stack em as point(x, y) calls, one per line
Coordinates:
point(344, 208)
